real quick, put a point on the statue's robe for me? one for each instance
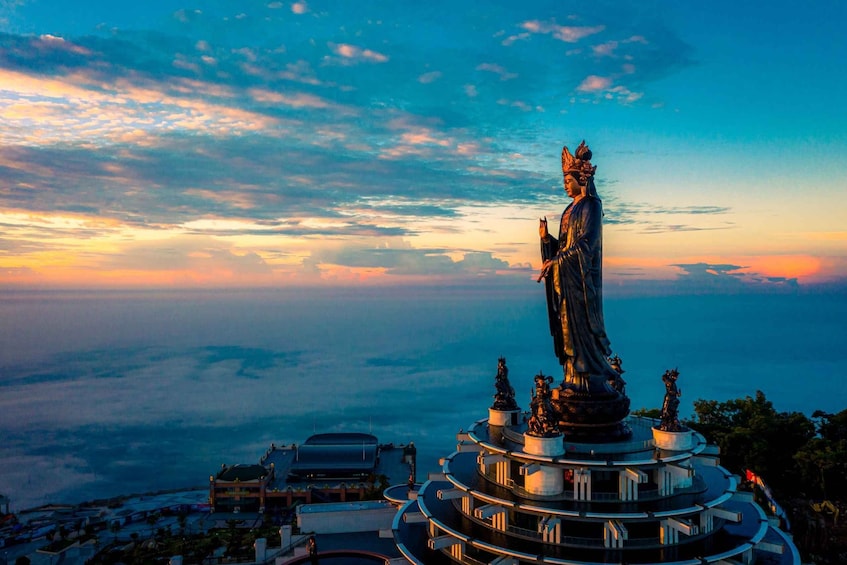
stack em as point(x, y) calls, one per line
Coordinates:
point(574, 288)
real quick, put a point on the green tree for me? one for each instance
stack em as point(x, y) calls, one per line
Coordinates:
point(752, 435)
point(823, 461)
point(832, 427)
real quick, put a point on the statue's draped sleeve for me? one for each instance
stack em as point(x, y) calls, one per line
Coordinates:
point(549, 250)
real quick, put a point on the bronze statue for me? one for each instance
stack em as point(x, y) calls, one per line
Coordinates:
point(504, 399)
point(544, 421)
point(670, 406)
point(591, 401)
point(312, 548)
point(617, 382)
point(572, 272)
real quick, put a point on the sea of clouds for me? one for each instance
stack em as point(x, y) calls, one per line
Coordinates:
point(118, 392)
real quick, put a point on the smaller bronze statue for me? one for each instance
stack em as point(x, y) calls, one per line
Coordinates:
point(670, 407)
point(312, 547)
point(504, 399)
point(544, 421)
point(617, 382)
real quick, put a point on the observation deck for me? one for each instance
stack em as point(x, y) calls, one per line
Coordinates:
point(498, 501)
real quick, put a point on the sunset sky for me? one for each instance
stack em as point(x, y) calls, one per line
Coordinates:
point(278, 143)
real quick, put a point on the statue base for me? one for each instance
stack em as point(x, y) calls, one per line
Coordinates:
point(673, 441)
point(503, 417)
point(544, 481)
point(592, 417)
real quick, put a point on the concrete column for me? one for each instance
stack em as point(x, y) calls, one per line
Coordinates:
point(664, 480)
point(458, 551)
point(582, 484)
point(628, 481)
point(707, 521)
point(671, 527)
point(486, 460)
point(547, 480)
point(500, 521)
point(624, 486)
point(433, 530)
point(614, 534)
point(667, 535)
point(467, 505)
point(550, 529)
point(498, 514)
point(285, 536)
point(261, 547)
point(682, 476)
point(502, 470)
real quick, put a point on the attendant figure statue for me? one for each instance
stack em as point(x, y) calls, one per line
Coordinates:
point(504, 399)
point(572, 272)
point(670, 406)
point(617, 383)
point(544, 421)
point(312, 547)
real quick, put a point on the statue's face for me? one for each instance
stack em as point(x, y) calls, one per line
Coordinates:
point(572, 186)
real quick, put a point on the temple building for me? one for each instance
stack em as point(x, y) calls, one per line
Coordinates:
point(336, 467)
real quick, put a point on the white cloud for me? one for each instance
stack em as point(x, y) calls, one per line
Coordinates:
point(429, 77)
point(354, 53)
point(496, 69)
point(605, 49)
point(568, 34)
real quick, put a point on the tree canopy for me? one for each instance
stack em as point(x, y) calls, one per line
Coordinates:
point(793, 453)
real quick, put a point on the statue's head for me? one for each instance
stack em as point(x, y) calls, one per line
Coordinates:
point(577, 170)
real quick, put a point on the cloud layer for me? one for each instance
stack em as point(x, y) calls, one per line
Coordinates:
point(279, 142)
point(235, 139)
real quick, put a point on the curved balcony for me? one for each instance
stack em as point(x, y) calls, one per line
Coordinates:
point(452, 527)
point(714, 487)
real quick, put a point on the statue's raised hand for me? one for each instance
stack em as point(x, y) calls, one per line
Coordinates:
point(542, 228)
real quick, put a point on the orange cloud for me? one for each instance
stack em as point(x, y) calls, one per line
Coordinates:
point(804, 268)
point(594, 83)
point(789, 266)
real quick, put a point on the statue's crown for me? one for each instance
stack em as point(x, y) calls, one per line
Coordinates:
point(578, 164)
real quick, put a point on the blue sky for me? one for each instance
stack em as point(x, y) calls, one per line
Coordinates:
point(325, 143)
